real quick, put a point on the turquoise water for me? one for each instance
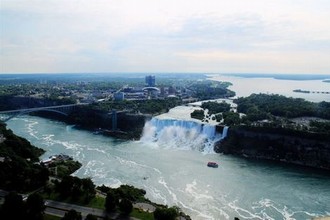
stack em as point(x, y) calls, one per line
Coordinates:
point(179, 175)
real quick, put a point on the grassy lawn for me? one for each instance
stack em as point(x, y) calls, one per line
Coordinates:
point(142, 215)
point(51, 217)
point(97, 202)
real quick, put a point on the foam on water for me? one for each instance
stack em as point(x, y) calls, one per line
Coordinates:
point(266, 206)
point(31, 128)
point(163, 183)
point(156, 194)
point(200, 197)
point(192, 189)
point(243, 213)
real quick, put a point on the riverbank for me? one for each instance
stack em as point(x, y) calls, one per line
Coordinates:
point(301, 148)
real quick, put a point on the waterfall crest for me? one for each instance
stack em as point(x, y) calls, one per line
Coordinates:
point(181, 134)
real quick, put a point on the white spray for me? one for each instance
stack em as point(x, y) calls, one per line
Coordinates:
point(182, 134)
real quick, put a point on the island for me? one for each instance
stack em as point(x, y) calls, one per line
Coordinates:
point(307, 91)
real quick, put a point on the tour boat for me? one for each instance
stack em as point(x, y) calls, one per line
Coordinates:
point(212, 164)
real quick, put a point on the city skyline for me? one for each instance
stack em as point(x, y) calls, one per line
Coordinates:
point(165, 36)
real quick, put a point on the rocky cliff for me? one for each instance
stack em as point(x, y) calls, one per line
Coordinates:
point(297, 147)
point(128, 126)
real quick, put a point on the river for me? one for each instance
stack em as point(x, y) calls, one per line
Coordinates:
point(178, 175)
point(245, 86)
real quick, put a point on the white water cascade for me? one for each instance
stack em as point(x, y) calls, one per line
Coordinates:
point(181, 134)
point(225, 132)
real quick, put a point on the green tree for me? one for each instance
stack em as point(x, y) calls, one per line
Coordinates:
point(278, 105)
point(218, 117)
point(215, 107)
point(65, 186)
point(13, 207)
point(91, 217)
point(198, 114)
point(231, 118)
point(111, 201)
point(125, 206)
point(35, 207)
point(89, 188)
point(76, 188)
point(72, 215)
point(131, 193)
point(165, 213)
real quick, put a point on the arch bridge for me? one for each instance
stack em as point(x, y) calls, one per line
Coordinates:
point(60, 109)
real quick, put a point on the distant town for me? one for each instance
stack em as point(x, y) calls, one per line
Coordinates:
point(48, 90)
point(261, 126)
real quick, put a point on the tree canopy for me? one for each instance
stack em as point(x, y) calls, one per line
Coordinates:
point(76, 188)
point(165, 213)
point(258, 106)
point(18, 171)
point(215, 107)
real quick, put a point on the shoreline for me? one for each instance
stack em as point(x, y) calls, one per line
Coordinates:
point(245, 86)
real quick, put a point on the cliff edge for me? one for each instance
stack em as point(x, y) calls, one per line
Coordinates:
point(303, 148)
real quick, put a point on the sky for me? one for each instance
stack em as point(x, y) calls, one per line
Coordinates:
point(204, 36)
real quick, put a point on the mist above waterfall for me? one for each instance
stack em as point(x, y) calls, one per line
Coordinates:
point(180, 134)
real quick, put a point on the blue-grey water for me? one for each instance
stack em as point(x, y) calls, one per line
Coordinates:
point(178, 175)
point(245, 86)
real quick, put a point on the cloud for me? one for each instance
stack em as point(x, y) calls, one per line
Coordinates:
point(165, 35)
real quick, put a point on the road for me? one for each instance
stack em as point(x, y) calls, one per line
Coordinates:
point(59, 209)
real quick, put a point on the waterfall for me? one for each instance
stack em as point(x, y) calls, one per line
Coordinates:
point(180, 134)
point(224, 132)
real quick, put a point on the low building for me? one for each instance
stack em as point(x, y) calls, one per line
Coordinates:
point(119, 96)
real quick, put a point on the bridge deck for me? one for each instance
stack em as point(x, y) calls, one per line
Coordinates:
point(62, 109)
point(41, 108)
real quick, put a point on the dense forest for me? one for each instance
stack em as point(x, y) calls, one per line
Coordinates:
point(215, 107)
point(261, 106)
point(152, 106)
point(18, 169)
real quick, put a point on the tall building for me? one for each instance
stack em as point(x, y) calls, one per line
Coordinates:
point(151, 81)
